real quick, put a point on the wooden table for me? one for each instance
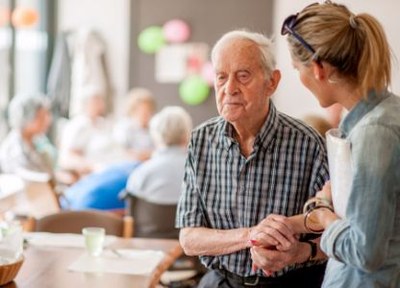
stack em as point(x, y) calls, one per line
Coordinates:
point(34, 199)
point(48, 267)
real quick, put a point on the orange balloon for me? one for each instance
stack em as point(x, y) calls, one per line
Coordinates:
point(23, 17)
point(4, 16)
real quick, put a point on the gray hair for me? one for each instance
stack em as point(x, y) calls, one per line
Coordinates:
point(171, 126)
point(23, 109)
point(263, 43)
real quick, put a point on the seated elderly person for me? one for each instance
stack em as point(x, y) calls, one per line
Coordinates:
point(86, 144)
point(26, 150)
point(132, 131)
point(159, 179)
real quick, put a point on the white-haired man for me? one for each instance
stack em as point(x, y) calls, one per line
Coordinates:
point(250, 162)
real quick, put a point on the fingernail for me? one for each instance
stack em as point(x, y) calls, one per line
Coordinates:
point(254, 242)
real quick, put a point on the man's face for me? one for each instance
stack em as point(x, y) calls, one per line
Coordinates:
point(241, 86)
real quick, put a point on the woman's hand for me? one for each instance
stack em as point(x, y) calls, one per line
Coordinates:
point(326, 192)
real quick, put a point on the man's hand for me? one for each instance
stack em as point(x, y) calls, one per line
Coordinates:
point(275, 231)
point(271, 260)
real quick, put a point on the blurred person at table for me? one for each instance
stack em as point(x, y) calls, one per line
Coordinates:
point(26, 150)
point(345, 58)
point(159, 179)
point(244, 165)
point(86, 143)
point(132, 131)
point(319, 123)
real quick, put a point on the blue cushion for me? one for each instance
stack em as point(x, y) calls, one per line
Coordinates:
point(99, 190)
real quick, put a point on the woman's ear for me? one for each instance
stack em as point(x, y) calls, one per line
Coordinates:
point(318, 70)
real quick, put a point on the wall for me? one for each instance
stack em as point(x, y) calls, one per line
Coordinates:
point(291, 96)
point(111, 19)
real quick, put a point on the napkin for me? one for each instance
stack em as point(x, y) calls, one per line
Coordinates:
point(120, 261)
point(61, 239)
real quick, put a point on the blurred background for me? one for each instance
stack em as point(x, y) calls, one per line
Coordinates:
point(34, 32)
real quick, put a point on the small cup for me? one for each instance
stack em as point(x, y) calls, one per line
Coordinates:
point(94, 240)
point(11, 241)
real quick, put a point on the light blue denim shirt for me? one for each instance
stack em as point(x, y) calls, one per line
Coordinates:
point(364, 248)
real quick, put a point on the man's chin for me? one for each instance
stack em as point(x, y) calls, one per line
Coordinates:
point(231, 118)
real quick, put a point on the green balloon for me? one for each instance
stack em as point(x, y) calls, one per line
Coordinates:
point(194, 90)
point(151, 39)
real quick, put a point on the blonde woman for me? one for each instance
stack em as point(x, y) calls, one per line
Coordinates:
point(132, 131)
point(344, 58)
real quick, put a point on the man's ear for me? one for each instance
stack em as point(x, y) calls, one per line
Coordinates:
point(273, 82)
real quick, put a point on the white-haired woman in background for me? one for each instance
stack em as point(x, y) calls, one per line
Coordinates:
point(26, 150)
point(159, 179)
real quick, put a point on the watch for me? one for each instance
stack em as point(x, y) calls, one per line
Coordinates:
point(314, 250)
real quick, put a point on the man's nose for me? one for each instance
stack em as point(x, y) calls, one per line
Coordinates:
point(231, 86)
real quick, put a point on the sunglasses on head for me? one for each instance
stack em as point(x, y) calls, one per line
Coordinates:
point(291, 21)
point(288, 28)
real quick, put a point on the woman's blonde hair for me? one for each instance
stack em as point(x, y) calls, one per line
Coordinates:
point(355, 45)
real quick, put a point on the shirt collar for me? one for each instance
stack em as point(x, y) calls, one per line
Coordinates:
point(364, 106)
point(264, 136)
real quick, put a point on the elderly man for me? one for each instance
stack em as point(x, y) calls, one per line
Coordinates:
point(250, 162)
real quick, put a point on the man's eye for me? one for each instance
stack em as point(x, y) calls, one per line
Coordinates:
point(220, 78)
point(243, 76)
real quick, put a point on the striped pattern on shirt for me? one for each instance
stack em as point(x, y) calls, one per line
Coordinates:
point(288, 165)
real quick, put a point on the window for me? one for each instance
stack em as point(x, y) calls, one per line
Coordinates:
point(25, 47)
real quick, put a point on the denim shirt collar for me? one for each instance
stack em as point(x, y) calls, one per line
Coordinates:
point(364, 106)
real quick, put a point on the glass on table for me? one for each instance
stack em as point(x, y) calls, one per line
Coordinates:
point(94, 240)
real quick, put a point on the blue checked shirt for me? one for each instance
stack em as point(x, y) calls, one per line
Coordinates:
point(288, 165)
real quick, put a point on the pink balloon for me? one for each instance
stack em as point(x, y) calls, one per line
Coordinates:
point(208, 73)
point(176, 31)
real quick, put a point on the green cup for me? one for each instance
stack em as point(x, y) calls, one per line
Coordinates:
point(94, 240)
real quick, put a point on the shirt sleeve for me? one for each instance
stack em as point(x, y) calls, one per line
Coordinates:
point(320, 170)
point(362, 238)
point(189, 208)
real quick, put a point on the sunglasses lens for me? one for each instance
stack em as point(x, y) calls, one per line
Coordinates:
point(288, 24)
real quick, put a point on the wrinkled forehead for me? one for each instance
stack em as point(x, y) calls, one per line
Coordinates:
point(237, 52)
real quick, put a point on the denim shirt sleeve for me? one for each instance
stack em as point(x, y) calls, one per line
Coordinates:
point(362, 239)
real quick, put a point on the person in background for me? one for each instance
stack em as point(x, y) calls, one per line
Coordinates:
point(159, 179)
point(244, 165)
point(26, 150)
point(132, 131)
point(319, 123)
point(86, 143)
point(345, 58)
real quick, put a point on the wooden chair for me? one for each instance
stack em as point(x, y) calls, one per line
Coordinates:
point(74, 221)
point(152, 220)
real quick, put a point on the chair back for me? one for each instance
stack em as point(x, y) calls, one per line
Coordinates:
point(152, 220)
point(74, 221)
